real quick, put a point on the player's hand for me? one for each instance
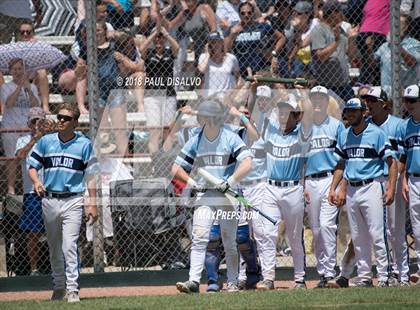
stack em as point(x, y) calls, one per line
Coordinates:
point(340, 198)
point(389, 195)
point(186, 110)
point(223, 187)
point(91, 212)
point(331, 197)
point(405, 190)
point(39, 189)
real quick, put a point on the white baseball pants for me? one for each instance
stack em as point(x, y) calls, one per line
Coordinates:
point(281, 203)
point(323, 219)
point(367, 217)
point(397, 235)
point(62, 219)
point(414, 202)
point(203, 219)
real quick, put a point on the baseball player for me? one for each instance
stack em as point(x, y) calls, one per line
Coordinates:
point(249, 273)
point(377, 104)
point(320, 166)
point(66, 158)
point(364, 148)
point(410, 142)
point(284, 194)
point(223, 154)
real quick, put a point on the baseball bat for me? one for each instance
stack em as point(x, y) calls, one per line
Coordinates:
point(214, 181)
point(277, 80)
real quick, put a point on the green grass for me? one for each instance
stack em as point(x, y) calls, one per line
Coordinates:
point(375, 298)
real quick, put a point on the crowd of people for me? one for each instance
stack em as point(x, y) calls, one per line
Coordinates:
point(230, 45)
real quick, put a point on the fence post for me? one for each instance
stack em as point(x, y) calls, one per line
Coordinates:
point(94, 122)
point(395, 56)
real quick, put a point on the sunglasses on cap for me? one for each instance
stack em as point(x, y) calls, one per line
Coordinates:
point(65, 118)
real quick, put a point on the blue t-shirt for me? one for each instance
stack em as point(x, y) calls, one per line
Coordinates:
point(65, 163)
point(250, 45)
point(365, 154)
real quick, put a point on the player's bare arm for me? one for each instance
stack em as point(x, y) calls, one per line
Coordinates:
point(392, 181)
point(38, 186)
point(91, 211)
point(337, 178)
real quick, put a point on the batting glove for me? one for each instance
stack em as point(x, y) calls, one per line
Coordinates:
point(223, 187)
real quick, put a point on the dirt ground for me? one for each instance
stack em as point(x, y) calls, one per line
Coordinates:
point(124, 291)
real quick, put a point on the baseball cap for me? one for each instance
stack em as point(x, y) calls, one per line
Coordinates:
point(264, 91)
point(412, 92)
point(377, 93)
point(215, 36)
point(354, 104)
point(291, 102)
point(318, 90)
point(331, 6)
point(303, 7)
point(35, 113)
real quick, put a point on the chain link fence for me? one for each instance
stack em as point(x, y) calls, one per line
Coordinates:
point(131, 65)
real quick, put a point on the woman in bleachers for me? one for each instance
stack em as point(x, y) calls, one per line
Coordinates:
point(17, 97)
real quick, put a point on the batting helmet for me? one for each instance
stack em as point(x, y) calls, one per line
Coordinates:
point(212, 109)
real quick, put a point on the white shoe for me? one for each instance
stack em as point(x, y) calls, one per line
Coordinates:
point(232, 287)
point(58, 295)
point(73, 297)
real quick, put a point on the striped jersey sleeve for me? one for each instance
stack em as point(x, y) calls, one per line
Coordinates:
point(36, 158)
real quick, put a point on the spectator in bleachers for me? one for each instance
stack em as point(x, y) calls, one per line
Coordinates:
point(193, 21)
point(329, 46)
point(227, 12)
point(120, 13)
point(412, 8)
point(40, 78)
point(112, 99)
point(281, 17)
point(160, 96)
point(295, 55)
point(410, 58)
point(12, 13)
point(220, 69)
point(375, 26)
point(31, 220)
point(251, 42)
point(17, 97)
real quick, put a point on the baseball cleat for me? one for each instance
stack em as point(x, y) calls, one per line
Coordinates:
point(188, 287)
point(340, 282)
point(405, 284)
point(393, 280)
point(73, 297)
point(265, 285)
point(213, 288)
point(323, 282)
point(363, 283)
point(58, 295)
point(383, 284)
point(300, 286)
point(415, 277)
point(232, 288)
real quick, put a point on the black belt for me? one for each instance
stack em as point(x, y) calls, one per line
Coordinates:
point(416, 175)
point(321, 175)
point(360, 183)
point(61, 195)
point(283, 183)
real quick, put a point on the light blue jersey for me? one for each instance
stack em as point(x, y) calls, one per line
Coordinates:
point(219, 157)
point(391, 126)
point(285, 154)
point(65, 163)
point(323, 140)
point(365, 154)
point(259, 161)
point(410, 142)
point(186, 133)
